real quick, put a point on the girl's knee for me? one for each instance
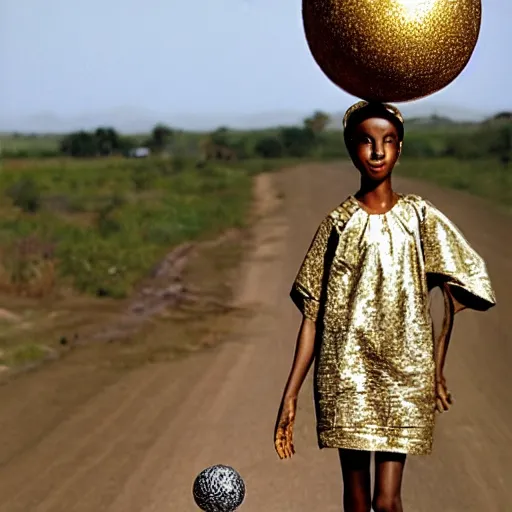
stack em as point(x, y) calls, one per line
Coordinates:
point(356, 501)
point(387, 504)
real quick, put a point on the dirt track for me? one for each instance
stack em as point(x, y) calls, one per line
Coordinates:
point(75, 438)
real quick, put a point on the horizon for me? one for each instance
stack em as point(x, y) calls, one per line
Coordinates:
point(172, 60)
point(198, 123)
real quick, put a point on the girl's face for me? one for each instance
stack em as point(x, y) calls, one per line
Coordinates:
point(375, 148)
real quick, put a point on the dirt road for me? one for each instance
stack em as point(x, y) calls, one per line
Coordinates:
point(76, 438)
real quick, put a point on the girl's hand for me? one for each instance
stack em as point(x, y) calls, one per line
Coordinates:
point(443, 396)
point(283, 435)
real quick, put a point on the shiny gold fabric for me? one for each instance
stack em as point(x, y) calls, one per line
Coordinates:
point(364, 280)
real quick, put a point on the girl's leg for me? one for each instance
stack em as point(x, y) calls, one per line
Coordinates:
point(355, 468)
point(389, 469)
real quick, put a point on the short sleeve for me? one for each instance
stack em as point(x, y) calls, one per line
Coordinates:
point(306, 290)
point(449, 255)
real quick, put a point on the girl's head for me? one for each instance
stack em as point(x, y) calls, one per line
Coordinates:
point(373, 135)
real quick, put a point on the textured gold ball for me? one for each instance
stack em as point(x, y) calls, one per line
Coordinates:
point(392, 50)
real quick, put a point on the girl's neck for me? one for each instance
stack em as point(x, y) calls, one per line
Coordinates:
point(377, 197)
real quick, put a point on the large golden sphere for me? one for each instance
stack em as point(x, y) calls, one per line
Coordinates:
point(391, 50)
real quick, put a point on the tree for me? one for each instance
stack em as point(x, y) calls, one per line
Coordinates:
point(269, 147)
point(126, 144)
point(503, 116)
point(219, 145)
point(297, 142)
point(501, 144)
point(79, 144)
point(161, 136)
point(318, 122)
point(463, 148)
point(220, 136)
point(107, 140)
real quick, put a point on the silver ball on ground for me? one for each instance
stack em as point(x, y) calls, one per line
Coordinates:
point(219, 488)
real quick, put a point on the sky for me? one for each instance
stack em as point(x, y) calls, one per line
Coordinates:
point(68, 57)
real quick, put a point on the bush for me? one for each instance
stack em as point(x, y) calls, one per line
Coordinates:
point(107, 223)
point(143, 179)
point(25, 194)
point(297, 142)
point(418, 147)
point(269, 147)
point(27, 267)
point(179, 163)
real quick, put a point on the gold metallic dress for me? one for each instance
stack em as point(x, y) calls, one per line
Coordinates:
point(365, 281)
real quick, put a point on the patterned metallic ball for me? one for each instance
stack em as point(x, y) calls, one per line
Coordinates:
point(219, 489)
point(392, 50)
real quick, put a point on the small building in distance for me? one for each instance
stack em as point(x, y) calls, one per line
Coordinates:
point(140, 152)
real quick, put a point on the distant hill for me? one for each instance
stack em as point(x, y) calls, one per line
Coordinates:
point(501, 117)
point(140, 120)
point(424, 115)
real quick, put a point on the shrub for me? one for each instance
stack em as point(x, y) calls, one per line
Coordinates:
point(25, 194)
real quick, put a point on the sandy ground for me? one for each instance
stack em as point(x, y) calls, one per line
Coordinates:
point(78, 438)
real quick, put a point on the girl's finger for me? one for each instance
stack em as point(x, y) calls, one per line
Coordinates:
point(279, 443)
point(287, 449)
point(291, 447)
point(289, 437)
point(279, 450)
point(443, 395)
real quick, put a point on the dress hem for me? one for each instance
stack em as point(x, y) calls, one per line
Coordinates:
point(411, 441)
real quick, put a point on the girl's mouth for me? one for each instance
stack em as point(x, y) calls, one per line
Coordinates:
point(376, 165)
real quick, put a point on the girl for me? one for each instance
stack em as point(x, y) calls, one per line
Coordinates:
point(363, 290)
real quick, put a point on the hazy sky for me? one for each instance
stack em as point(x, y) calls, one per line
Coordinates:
point(67, 57)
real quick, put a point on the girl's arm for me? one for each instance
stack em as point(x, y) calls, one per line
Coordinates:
point(303, 358)
point(451, 307)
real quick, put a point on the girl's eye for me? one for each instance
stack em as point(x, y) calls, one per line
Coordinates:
point(389, 140)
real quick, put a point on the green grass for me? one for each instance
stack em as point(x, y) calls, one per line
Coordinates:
point(21, 355)
point(100, 225)
point(77, 236)
point(485, 178)
point(30, 143)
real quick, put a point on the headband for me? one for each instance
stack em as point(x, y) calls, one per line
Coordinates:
point(364, 104)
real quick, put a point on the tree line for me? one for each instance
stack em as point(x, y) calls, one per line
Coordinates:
point(430, 138)
point(106, 141)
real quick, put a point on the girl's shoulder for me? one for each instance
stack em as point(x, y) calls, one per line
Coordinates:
point(422, 206)
point(415, 200)
point(339, 216)
point(344, 211)
point(430, 216)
